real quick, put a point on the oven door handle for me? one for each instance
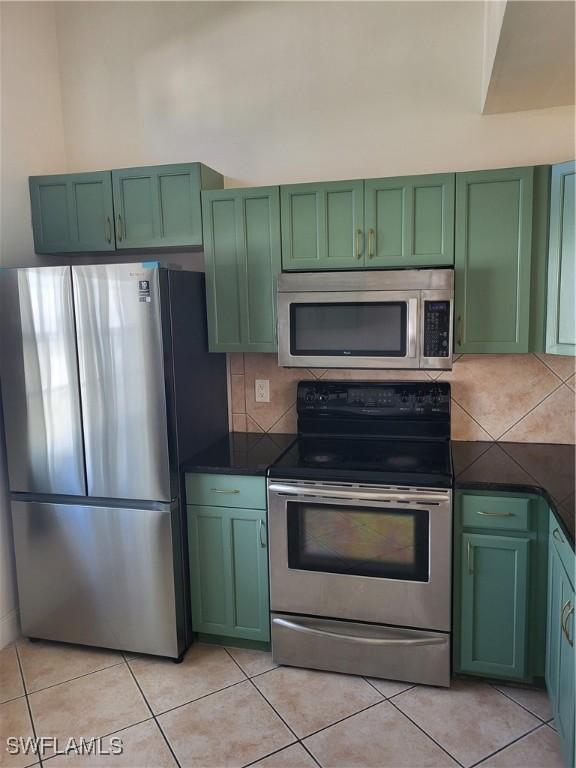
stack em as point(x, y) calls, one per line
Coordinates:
point(359, 638)
point(358, 494)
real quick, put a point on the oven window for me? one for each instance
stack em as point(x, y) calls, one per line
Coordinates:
point(361, 541)
point(377, 329)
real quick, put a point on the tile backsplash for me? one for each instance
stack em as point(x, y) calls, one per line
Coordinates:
point(515, 398)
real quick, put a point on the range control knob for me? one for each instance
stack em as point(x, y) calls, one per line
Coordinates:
point(310, 397)
point(404, 396)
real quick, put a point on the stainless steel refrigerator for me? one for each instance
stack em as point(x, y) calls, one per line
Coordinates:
point(107, 386)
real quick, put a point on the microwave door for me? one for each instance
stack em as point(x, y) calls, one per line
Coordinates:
point(344, 329)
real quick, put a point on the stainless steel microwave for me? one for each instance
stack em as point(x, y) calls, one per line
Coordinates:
point(369, 319)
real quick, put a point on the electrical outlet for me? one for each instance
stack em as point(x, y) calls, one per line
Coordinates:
point(262, 390)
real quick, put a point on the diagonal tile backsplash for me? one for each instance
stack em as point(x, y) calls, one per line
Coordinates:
point(513, 398)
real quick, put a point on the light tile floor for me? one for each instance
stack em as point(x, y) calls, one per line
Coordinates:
point(225, 708)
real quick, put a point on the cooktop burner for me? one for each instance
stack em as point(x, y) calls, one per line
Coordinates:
point(394, 433)
point(371, 460)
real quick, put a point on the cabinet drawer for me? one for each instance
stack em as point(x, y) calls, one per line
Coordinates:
point(495, 512)
point(226, 491)
point(562, 546)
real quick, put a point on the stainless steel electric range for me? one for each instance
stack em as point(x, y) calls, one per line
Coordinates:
point(360, 517)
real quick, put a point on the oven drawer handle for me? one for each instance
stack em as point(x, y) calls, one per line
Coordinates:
point(358, 495)
point(358, 638)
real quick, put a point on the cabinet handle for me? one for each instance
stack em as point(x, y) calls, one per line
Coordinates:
point(108, 229)
point(358, 247)
point(564, 620)
point(469, 556)
point(565, 627)
point(120, 228)
point(225, 490)
point(459, 330)
point(557, 535)
point(495, 514)
point(262, 530)
point(371, 235)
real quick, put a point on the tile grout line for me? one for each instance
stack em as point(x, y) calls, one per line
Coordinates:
point(387, 698)
point(190, 701)
point(467, 467)
point(107, 735)
point(420, 728)
point(78, 677)
point(459, 404)
point(537, 355)
point(501, 749)
point(494, 686)
point(560, 384)
point(32, 723)
point(153, 716)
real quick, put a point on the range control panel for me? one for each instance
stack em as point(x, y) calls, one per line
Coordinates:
point(436, 328)
point(370, 399)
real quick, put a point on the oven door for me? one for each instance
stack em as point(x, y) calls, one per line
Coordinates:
point(361, 553)
point(349, 329)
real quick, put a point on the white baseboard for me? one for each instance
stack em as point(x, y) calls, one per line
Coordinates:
point(9, 628)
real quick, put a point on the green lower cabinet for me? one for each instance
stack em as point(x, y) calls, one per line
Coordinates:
point(560, 667)
point(561, 306)
point(242, 258)
point(493, 251)
point(494, 605)
point(72, 213)
point(229, 572)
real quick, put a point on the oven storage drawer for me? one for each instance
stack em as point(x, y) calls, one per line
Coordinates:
point(505, 513)
point(244, 491)
point(361, 649)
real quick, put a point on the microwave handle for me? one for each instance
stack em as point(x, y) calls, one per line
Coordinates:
point(412, 327)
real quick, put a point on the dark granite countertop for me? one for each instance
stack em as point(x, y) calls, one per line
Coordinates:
point(240, 453)
point(539, 468)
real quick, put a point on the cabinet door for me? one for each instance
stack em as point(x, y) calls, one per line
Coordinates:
point(322, 225)
point(494, 590)
point(409, 221)
point(561, 309)
point(242, 257)
point(560, 651)
point(492, 260)
point(229, 572)
point(158, 206)
point(72, 213)
point(564, 714)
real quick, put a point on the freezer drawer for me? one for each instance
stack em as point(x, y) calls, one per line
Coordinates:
point(40, 381)
point(97, 575)
point(374, 650)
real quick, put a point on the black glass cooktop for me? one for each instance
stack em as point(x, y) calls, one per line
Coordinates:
point(367, 460)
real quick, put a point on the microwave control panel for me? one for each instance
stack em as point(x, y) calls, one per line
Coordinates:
point(436, 328)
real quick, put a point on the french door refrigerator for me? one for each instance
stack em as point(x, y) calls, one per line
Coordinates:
point(107, 385)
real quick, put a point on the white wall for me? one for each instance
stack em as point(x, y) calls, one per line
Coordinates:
point(279, 92)
point(32, 141)
point(32, 130)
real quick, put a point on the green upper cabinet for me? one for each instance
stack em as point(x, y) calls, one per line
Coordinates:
point(494, 605)
point(322, 225)
point(395, 222)
point(160, 206)
point(561, 309)
point(72, 212)
point(409, 221)
point(492, 260)
point(242, 257)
